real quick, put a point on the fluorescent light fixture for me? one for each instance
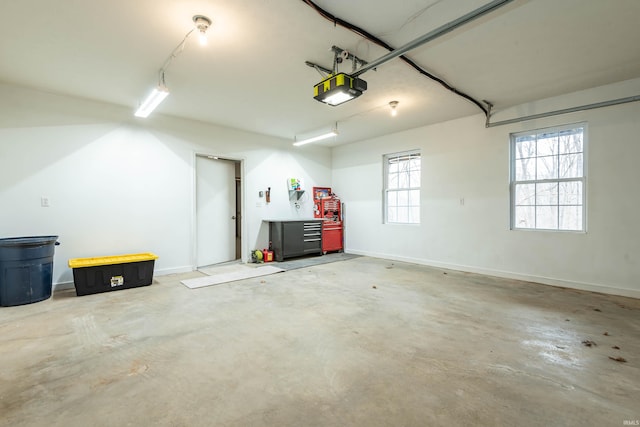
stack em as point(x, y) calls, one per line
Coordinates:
point(153, 100)
point(333, 132)
point(338, 89)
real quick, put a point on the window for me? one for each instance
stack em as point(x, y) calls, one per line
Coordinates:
point(402, 188)
point(548, 179)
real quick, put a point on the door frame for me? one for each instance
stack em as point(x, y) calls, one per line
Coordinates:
point(194, 201)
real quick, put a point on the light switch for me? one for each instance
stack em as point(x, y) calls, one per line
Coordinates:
point(44, 202)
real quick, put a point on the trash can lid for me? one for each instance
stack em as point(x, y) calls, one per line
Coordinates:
point(28, 241)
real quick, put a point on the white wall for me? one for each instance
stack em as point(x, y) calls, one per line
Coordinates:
point(463, 159)
point(119, 185)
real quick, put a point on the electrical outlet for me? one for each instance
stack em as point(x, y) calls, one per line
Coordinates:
point(44, 202)
point(461, 201)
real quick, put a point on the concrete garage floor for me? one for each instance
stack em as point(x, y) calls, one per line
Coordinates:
point(363, 342)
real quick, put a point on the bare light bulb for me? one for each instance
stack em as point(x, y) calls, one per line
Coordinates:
point(203, 38)
point(202, 25)
point(394, 108)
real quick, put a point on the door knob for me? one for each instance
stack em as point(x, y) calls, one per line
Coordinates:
point(233, 217)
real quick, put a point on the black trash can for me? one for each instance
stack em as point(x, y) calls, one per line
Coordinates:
point(26, 269)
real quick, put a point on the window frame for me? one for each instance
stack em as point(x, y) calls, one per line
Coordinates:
point(386, 190)
point(582, 179)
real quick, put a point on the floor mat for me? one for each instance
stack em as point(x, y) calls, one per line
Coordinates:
point(230, 273)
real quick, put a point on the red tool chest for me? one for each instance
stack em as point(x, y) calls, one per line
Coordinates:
point(328, 207)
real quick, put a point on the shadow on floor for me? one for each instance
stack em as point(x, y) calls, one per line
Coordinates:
point(310, 261)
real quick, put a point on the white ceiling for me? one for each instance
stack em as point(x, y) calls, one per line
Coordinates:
point(252, 75)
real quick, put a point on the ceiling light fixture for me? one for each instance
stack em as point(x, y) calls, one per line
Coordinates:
point(202, 24)
point(154, 99)
point(394, 108)
point(157, 95)
point(332, 132)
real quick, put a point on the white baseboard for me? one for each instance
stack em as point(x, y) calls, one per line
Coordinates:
point(591, 287)
point(62, 286)
point(174, 270)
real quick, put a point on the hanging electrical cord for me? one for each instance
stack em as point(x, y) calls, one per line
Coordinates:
point(363, 33)
point(173, 55)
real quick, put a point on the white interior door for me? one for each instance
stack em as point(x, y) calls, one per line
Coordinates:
point(215, 211)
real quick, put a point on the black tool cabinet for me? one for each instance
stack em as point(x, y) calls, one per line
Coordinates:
point(295, 238)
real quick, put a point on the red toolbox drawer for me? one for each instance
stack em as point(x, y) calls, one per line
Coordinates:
point(331, 236)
